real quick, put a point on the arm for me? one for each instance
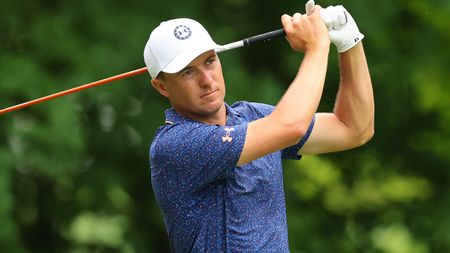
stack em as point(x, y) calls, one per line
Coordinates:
point(287, 124)
point(352, 122)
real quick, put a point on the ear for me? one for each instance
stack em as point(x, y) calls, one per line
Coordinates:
point(160, 86)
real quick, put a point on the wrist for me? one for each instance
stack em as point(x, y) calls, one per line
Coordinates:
point(357, 47)
point(349, 42)
point(320, 45)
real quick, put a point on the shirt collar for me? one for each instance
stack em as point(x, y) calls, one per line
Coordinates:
point(173, 117)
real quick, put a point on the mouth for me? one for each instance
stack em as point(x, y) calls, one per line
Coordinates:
point(209, 94)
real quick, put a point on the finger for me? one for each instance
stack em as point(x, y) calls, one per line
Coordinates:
point(286, 16)
point(286, 21)
point(317, 9)
point(296, 18)
point(309, 7)
point(334, 15)
point(342, 17)
point(334, 35)
point(325, 15)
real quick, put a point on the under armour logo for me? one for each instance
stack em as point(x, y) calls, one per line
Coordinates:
point(356, 39)
point(182, 32)
point(227, 134)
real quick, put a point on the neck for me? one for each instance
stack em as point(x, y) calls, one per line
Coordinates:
point(218, 117)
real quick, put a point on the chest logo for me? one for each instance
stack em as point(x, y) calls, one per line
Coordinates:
point(227, 137)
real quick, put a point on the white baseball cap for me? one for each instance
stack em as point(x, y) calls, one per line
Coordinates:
point(174, 44)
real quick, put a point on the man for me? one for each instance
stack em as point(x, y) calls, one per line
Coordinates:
point(216, 169)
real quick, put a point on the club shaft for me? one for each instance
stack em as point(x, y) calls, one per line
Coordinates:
point(245, 42)
point(76, 89)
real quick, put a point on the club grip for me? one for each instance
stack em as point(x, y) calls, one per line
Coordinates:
point(264, 37)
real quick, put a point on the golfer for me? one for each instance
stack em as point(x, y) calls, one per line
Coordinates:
point(216, 169)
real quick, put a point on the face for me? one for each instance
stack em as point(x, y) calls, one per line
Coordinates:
point(198, 90)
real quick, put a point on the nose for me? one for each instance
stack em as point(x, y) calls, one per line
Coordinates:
point(205, 78)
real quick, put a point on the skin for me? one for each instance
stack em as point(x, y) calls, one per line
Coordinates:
point(198, 92)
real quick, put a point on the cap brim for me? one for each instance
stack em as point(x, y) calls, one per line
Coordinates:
point(182, 60)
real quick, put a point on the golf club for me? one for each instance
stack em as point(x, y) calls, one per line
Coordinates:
point(245, 42)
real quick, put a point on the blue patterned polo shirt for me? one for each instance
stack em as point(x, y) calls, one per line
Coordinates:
point(208, 203)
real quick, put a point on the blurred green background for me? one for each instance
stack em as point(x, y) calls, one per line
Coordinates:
point(74, 172)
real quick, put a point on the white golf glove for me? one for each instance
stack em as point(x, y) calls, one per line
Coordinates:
point(344, 32)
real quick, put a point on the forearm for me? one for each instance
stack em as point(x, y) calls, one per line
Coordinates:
point(300, 102)
point(354, 103)
point(289, 121)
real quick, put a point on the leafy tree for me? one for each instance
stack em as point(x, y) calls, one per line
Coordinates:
point(74, 171)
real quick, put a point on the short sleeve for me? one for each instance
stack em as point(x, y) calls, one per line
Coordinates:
point(197, 154)
point(292, 151)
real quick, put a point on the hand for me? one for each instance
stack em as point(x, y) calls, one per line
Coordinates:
point(305, 32)
point(344, 32)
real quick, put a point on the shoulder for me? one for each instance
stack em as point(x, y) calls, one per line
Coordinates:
point(246, 108)
point(197, 143)
point(172, 135)
point(185, 137)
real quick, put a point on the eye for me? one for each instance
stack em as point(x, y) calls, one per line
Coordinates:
point(187, 72)
point(210, 60)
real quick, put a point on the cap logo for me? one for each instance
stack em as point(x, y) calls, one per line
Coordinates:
point(182, 32)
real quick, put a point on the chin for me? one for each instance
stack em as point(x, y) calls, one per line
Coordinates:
point(215, 106)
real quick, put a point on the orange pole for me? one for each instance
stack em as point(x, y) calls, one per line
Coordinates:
point(76, 89)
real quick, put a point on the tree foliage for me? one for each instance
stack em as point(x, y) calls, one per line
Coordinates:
point(74, 172)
